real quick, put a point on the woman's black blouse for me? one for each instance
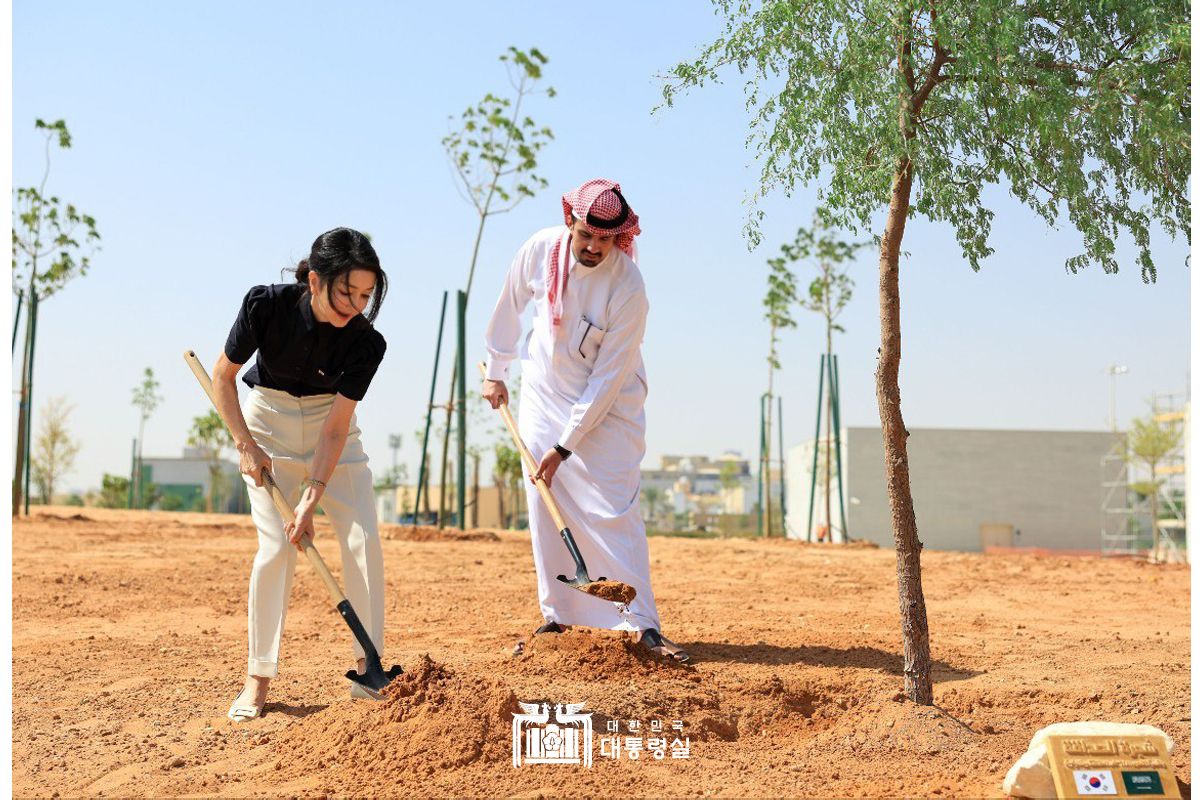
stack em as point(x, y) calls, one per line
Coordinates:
point(296, 353)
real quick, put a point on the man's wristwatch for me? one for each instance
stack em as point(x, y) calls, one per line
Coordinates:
point(562, 451)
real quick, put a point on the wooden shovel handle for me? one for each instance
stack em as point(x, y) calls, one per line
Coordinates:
point(281, 503)
point(530, 462)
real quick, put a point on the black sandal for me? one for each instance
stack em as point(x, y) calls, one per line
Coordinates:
point(651, 639)
point(548, 627)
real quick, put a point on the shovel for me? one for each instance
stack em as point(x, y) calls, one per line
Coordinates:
point(602, 587)
point(374, 678)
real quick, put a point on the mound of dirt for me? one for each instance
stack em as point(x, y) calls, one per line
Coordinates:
point(618, 680)
point(429, 533)
point(431, 719)
point(590, 653)
point(42, 517)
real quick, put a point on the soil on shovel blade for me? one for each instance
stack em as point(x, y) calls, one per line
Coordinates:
point(610, 590)
point(793, 691)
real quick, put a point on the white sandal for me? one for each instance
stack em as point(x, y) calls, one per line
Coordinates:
point(243, 712)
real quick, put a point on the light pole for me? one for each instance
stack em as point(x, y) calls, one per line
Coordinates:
point(1113, 371)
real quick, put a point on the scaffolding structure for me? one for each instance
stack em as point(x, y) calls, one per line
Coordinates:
point(1126, 527)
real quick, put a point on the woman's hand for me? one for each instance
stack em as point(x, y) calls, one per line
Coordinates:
point(549, 465)
point(303, 526)
point(253, 461)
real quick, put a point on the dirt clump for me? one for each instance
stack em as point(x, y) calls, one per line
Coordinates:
point(615, 591)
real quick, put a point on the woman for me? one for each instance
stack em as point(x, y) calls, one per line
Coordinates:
point(317, 352)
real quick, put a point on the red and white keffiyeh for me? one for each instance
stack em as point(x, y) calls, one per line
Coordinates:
point(601, 208)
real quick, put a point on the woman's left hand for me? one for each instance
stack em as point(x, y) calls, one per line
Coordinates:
point(296, 531)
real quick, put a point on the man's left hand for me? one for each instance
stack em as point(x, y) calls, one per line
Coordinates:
point(548, 466)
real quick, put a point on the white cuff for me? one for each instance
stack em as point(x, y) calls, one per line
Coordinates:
point(497, 369)
point(570, 439)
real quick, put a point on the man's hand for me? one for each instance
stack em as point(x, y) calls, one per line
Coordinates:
point(548, 466)
point(495, 392)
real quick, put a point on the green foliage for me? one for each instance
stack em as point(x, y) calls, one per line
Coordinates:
point(210, 436)
point(74, 500)
point(52, 241)
point(1151, 441)
point(1080, 109)
point(170, 502)
point(54, 449)
point(729, 476)
point(494, 148)
point(145, 395)
point(114, 492)
point(781, 296)
point(832, 288)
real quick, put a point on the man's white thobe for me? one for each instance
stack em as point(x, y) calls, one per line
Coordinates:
point(583, 387)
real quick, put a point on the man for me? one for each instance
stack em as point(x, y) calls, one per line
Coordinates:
point(582, 405)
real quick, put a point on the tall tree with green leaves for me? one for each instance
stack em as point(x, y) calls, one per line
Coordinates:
point(912, 107)
point(52, 243)
point(780, 297)
point(145, 399)
point(55, 449)
point(1150, 443)
point(829, 293)
point(211, 437)
point(494, 149)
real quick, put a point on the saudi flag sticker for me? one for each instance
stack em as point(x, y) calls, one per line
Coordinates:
point(1089, 782)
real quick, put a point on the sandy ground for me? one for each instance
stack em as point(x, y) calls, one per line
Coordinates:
point(129, 644)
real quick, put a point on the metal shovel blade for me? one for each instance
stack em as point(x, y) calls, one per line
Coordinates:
point(602, 587)
point(374, 680)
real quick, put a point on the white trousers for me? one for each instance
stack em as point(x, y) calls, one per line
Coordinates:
point(287, 428)
point(598, 490)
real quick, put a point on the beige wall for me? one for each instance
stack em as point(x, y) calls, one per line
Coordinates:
point(487, 516)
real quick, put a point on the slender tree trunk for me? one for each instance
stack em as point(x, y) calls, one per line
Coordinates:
point(828, 407)
point(475, 492)
point(766, 450)
point(1153, 514)
point(22, 411)
point(500, 500)
point(918, 682)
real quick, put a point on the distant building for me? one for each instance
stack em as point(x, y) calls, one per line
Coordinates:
point(698, 485)
point(1018, 488)
point(182, 483)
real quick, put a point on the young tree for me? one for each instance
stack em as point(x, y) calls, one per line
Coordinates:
point(114, 492)
point(145, 399)
point(781, 296)
point(506, 474)
point(1078, 109)
point(828, 294)
point(210, 435)
point(52, 243)
point(54, 450)
point(494, 152)
point(1151, 441)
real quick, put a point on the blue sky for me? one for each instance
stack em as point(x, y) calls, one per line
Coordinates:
point(214, 141)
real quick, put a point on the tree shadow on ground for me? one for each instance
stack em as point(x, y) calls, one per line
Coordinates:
point(857, 657)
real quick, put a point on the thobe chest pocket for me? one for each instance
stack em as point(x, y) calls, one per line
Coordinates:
point(585, 344)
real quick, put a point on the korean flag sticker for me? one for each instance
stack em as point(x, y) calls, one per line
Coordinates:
point(1089, 782)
